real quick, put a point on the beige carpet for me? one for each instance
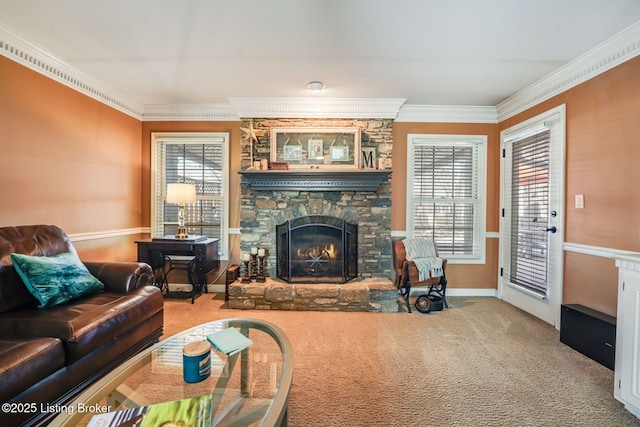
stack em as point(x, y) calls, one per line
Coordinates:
point(482, 362)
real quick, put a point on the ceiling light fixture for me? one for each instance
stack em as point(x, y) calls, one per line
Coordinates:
point(316, 85)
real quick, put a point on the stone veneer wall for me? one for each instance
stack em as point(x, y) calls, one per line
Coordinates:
point(261, 211)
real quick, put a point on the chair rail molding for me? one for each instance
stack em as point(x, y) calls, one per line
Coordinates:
point(106, 234)
point(597, 250)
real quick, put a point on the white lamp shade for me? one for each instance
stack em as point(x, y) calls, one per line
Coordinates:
point(181, 193)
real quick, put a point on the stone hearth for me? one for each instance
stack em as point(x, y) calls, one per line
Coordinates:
point(375, 295)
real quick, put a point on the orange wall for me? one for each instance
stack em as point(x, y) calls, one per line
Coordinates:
point(66, 159)
point(484, 276)
point(603, 153)
point(72, 161)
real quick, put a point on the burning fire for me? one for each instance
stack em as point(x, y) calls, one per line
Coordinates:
point(328, 251)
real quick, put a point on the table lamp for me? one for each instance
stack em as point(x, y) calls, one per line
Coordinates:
point(181, 194)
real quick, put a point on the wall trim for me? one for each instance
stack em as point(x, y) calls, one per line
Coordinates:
point(618, 49)
point(399, 233)
point(351, 108)
point(80, 237)
point(488, 234)
point(190, 112)
point(597, 250)
point(19, 49)
point(447, 114)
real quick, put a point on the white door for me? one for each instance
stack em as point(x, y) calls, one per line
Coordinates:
point(532, 215)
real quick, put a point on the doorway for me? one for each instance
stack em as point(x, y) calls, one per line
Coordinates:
point(532, 215)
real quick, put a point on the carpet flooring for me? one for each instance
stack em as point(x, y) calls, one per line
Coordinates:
point(481, 362)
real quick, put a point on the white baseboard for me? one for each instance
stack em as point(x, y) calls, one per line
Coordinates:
point(217, 287)
point(462, 292)
point(186, 287)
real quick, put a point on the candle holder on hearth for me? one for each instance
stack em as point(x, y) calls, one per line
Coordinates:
point(253, 263)
point(260, 274)
point(246, 277)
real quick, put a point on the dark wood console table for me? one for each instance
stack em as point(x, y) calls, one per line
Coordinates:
point(205, 252)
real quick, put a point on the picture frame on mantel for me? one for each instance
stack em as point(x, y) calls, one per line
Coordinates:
point(327, 148)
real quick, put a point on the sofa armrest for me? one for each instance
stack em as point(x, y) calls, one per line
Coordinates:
point(121, 276)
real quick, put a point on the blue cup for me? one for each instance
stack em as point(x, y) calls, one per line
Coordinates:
point(196, 361)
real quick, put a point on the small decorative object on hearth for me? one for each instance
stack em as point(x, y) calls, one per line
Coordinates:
point(246, 258)
point(280, 166)
point(260, 276)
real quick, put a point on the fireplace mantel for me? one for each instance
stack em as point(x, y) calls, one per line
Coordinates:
point(316, 180)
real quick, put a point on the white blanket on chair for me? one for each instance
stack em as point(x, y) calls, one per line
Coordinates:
point(423, 253)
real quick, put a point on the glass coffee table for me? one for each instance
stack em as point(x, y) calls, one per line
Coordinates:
point(248, 388)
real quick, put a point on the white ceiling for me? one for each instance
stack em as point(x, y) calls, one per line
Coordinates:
point(430, 52)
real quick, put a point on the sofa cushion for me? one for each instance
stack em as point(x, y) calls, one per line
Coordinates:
point(56, 279)
point(40, 240)
point(25, 362)
point(86, 323)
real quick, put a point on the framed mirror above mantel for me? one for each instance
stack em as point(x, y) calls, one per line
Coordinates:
point(316, 180)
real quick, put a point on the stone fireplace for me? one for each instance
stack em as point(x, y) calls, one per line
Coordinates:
point(272, 199)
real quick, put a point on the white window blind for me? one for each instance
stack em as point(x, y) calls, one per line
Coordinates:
point(529, 211)
point(446, 188)
point(201, 160)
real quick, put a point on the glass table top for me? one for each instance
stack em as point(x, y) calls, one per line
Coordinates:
point(248, 388)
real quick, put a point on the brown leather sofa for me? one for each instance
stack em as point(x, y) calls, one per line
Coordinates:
point(48, 355)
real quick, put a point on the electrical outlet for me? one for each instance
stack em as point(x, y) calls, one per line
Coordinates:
point(579, 201)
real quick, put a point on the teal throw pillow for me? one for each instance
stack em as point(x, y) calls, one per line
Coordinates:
point(56, 279)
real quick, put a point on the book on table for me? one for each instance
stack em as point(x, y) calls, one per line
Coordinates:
point(194, 411)
point(229, 341)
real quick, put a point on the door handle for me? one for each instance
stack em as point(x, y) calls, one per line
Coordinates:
point(550, 229)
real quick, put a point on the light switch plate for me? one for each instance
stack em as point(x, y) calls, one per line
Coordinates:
point(579, 201)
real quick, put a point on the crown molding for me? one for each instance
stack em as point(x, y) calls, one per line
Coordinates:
point(17, 48)
point(607, 55)
point(353, 108)
point(190, 112)
point(447, 114)
point(613, 52)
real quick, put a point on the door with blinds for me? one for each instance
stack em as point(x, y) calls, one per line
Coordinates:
point(532, 215)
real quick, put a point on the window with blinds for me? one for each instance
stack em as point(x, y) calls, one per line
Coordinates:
point(446, 188)
point(201, 160)
point(529, 211)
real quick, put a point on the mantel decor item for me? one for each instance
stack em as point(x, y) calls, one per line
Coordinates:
point(181, 193)
point(316, 148)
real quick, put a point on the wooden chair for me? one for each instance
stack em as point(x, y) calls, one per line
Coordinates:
point(407, 275)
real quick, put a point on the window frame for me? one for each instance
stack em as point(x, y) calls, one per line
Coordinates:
point(158, 183)
point(479, 143)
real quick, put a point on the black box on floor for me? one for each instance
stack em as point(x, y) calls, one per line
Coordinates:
point(590, 332)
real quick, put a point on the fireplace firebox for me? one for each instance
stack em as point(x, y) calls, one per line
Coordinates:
point(317, 249)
